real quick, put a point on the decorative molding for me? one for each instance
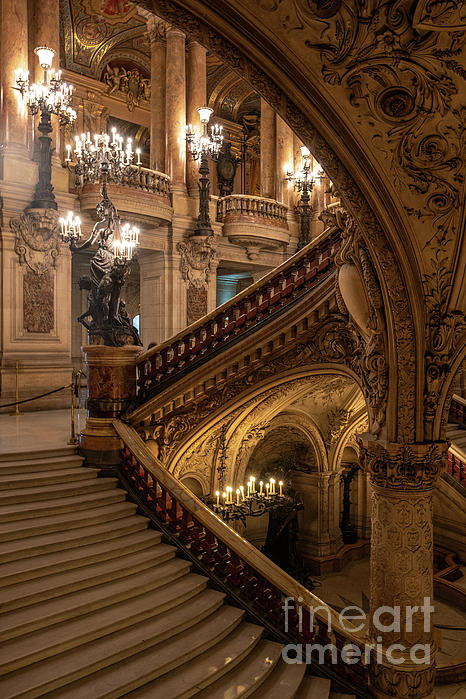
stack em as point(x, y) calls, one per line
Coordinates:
point(131, 83)
point(37, 239)
point(403, 467)
point(198, 260)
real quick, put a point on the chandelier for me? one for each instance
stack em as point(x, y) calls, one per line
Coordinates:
point(251, 501)
point(303, 182)
point(203, 146)
point(53, 95)
point(102, 158)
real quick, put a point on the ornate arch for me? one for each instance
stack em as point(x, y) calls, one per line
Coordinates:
point(381, 220)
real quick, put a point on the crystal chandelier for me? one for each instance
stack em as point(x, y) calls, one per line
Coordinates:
point(251, 501)
point(53, 95)
point(102, 158)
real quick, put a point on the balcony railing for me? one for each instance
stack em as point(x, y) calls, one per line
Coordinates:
point(148, 181)
point(458, 410)
point(254, 305)
point(243, 207)
point(249, 578)
point(456, 465)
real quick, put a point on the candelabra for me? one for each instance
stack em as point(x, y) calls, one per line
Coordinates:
point(251, 502)
point(52, 96)
point(100, 161)
point(203, 146)
point(303, 182)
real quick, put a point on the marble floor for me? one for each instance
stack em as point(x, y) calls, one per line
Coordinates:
point(38, 430)
point(351, 587)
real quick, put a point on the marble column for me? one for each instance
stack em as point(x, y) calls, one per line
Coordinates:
point(153, 285)
point(157, 30)
point(319, 531)
point(176, 109)
point(267, 151)
point(14, 56)
point(285, 160)
point(401, 582)
point(196, 97)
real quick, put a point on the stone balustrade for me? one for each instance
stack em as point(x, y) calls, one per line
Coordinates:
point(241, 207)
point(148, 180)
point(458, 410)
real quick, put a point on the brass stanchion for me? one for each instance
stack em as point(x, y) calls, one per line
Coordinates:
point(72, 439)
point(17, 411)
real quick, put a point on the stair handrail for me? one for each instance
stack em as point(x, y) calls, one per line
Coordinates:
point(269, 294)
point(230, 556)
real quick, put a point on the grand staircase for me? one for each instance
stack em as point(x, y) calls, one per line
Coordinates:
point(94, 604)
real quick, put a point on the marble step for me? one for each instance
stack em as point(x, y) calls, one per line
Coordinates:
point(58, 541)
point(282, 683)
point(74, 503)
point(51, 492)
point(63, 522)
point(49, 642)
point(122, 661)
point(31, 454)
point(185, 642)
point(244, 680)
point(314, 688)
point(58, 584)
point(44, 478)
point(43, 614)
point(36, 566)
point(206, 668)
point(41, 464)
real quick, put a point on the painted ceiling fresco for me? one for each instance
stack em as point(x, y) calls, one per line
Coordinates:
point(93, 32)
point(100, 33)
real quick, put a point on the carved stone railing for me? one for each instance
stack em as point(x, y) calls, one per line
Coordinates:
point(148, 180)
point(244, 207)
point(457, 410)
point(249, 579)
point(228, 323)
point(457, 464)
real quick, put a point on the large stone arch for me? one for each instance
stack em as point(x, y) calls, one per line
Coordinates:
point(246, 419)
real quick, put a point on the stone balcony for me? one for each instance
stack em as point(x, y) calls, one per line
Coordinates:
point(255, 223)
point(146, 194)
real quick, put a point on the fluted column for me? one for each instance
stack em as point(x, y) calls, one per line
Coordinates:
point(196, 97)
point(267, 150)
point(14, 55)
point(157, 30)
point(176, 108)
point(285, 160)
point(401, 583)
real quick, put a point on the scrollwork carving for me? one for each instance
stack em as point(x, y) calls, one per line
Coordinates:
point(37, 239)
point(411, 467)
point(198, 258)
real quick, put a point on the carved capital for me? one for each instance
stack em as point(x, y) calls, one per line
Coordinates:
point(156, 29)
point(37, 239)
point(198, 259)
point(402, 467)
